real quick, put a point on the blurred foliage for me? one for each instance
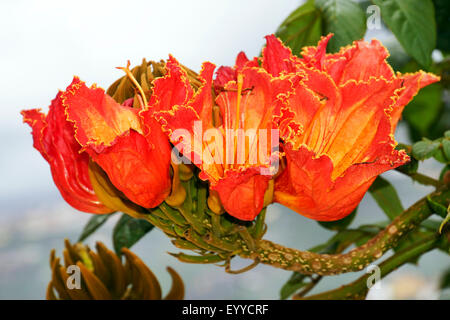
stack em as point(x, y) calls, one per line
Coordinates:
point(442, 9)
point(413, 24)
point(439, 149)
point(345, 19)
point(303, 27)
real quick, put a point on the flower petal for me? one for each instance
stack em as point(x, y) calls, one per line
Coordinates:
point(226, 74)
point(138, 167)
point(98, 119)
point(306, 185)
point(277, 58)
point(242, 193)
point(412, 84)
point(172, 89)
point(54, 138)
point(136, 157)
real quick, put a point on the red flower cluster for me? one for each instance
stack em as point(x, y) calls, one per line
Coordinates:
point(332, 117)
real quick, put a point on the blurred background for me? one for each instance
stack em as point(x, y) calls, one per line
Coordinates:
point(45, 43)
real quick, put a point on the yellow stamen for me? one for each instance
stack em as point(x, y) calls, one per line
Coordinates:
point(133, 79)
point(240, 81)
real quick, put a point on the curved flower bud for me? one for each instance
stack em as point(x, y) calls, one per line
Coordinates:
point(136, 157)
point(337, 124)
point(53, 137)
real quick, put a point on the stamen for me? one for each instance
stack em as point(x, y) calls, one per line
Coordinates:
point(134, 81)
point(240, 81)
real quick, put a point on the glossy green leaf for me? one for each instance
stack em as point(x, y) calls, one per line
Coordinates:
point(303, 27)
point(413, 23)
point(345, 19)
point(386, 197)
point(128, 231)
point(95, 222)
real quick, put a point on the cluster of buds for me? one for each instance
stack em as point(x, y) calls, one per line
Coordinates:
point(101, 275)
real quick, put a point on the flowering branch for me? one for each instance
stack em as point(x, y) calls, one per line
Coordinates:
point(306, 262)
point(358, 289)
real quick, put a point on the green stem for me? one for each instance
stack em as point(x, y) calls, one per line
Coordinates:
point(306, 262)
point(359, 288)
point(423, 179)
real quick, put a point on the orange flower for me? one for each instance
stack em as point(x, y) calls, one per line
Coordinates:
point(337, 124)
point(53, 137)
point(134, 153)
point(246, 104)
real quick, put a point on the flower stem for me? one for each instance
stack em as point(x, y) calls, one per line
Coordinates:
point(359, 288)
point(306, 262)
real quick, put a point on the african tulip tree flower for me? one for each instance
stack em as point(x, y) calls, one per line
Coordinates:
point(337, 125)
point(245, 104)
point(53, 137)
point(134, 154)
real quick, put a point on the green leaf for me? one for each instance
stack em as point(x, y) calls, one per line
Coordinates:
point(339, 225)
point(95, 222)
point(387, 198)
point(413, 23)
point(424, 149)
point(345, 19)
point(295, 282)
point(303, 27)
point(446, 148)
point(437, 208)
point(447, 134)
point(424, 110)
point(439, 155)
point(128, 231)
